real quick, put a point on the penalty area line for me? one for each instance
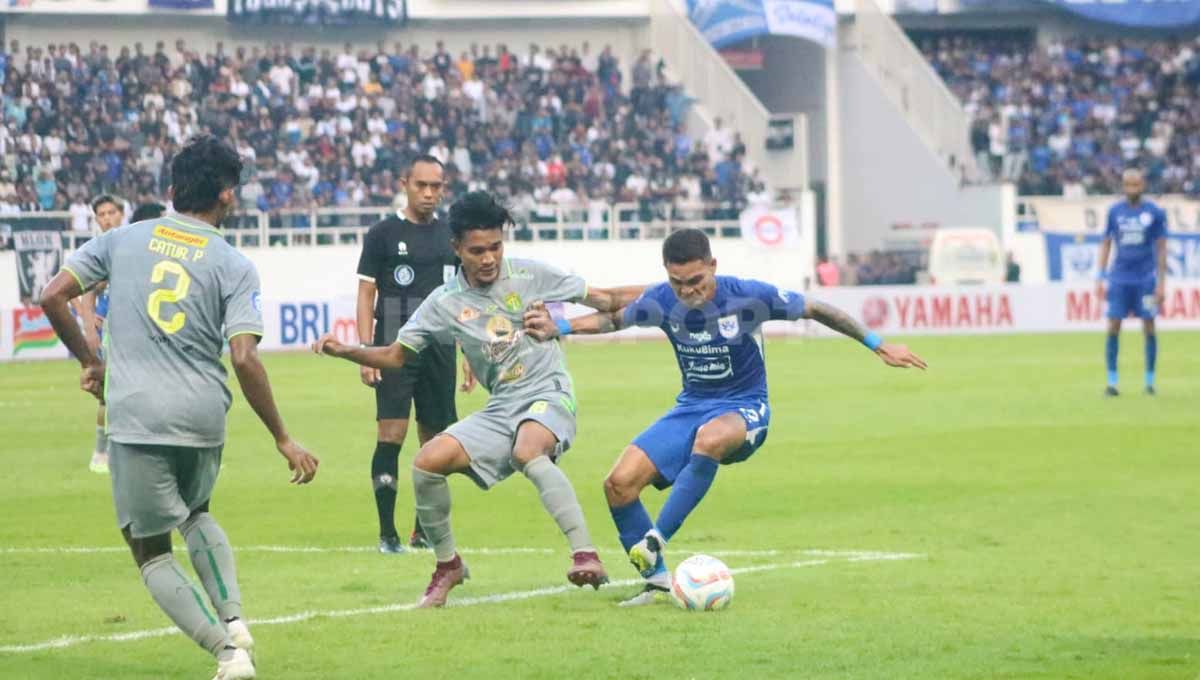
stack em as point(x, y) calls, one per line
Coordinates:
point(300, 617)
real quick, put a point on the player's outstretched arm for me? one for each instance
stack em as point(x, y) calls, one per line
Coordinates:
point(56, 299)
point(243, 354)
point(541, 326)
point(611, 299)
point(391, 356)
point(832, 317)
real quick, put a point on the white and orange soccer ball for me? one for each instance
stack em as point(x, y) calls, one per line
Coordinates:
point(702, 583)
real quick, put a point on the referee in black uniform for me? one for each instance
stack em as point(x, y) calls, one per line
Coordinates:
point(404, 258)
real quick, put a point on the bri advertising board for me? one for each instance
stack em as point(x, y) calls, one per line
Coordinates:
point(890, 310)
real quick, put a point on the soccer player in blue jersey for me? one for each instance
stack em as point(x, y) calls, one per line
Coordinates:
point(92, 309)
point(1137, 280)
point(722, 414)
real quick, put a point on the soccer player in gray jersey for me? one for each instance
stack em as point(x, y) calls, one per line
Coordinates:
point(529, 421)
point(178, 292)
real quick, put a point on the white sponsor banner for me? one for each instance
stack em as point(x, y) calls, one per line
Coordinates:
point(1088, 215)
point(771, 229)
point(889, 310)
point(1002, 308)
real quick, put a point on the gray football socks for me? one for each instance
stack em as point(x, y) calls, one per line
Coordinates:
point(101, 440)
point(558, 497)
point(212, 558)
point(178, 597)
point(433, 511)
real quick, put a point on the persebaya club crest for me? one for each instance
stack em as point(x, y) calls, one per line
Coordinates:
point(513, 302)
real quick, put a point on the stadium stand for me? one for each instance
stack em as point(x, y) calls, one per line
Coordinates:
point(556, 125)
point(1065, 117)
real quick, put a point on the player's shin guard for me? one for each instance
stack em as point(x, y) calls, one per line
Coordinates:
point(558, 497)
point(632, 523)
point(690, 486)
point(212, 558)
point(179, 599)
point(385, 467)
point(1111, 345)
point(1151, 358)
point(433, 511)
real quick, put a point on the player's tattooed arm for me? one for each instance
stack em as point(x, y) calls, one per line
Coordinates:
point(897, 356)
point(611, 299)
point(834, 318)
point(391, 356)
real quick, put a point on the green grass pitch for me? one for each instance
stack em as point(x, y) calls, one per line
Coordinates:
point(1054, 532)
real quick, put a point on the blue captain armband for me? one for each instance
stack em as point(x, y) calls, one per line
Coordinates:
point(873, 340)
point(564, 327)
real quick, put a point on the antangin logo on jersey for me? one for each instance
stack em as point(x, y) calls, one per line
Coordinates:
point(404, 275)
point(502, 338)
point(180, 236)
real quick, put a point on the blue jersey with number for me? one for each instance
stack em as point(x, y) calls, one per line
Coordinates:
point(1135, 231)
point(718, 346)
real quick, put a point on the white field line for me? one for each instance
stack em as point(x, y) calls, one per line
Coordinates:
point(133, 636)
point(517, 550)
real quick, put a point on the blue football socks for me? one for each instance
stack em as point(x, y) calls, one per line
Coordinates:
point(690, 486)
point(1111, 346)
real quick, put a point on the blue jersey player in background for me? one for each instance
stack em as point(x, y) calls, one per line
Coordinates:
point(1137, 280)
point(722, 414)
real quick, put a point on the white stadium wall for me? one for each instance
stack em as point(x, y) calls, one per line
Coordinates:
point(892, 183)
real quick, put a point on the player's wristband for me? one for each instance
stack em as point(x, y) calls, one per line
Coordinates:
point(873, 340)
point(564, 326)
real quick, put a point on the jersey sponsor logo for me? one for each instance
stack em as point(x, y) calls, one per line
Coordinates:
point(513, 302)
point(702, 336)
point(468, 314)
point(707, 370)
point(181, 236)
point(404, 275)
point(539, 407)
point(401, 248)
point(256, 301)
point(512, 373)
point(502, 338)
point(729, 326)
point(448, 272)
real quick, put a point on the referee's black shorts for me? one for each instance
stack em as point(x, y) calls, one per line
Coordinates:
point(427, 378)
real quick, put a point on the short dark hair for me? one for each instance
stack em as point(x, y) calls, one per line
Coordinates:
point(477, 210)
point(424, 158)
point(201, 171)
point(148, 211)
point(686, 245)
point(106, 198)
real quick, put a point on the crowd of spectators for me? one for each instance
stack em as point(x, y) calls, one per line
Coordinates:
point(320, 127)
point(1067, 117)
point(876, 268)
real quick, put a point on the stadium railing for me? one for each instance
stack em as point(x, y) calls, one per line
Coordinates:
point(347, 226)
point(913, 85)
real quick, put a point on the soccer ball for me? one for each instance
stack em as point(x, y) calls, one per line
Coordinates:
point(702, 583)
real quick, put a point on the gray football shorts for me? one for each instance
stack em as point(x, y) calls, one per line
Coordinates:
point(156, 488)
point(488, 435)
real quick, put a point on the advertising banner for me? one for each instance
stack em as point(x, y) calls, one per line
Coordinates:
point(1076, 257)
point(39, 257)
point(726, 22)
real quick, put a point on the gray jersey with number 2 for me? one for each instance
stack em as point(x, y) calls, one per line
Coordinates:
point(177, 291)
